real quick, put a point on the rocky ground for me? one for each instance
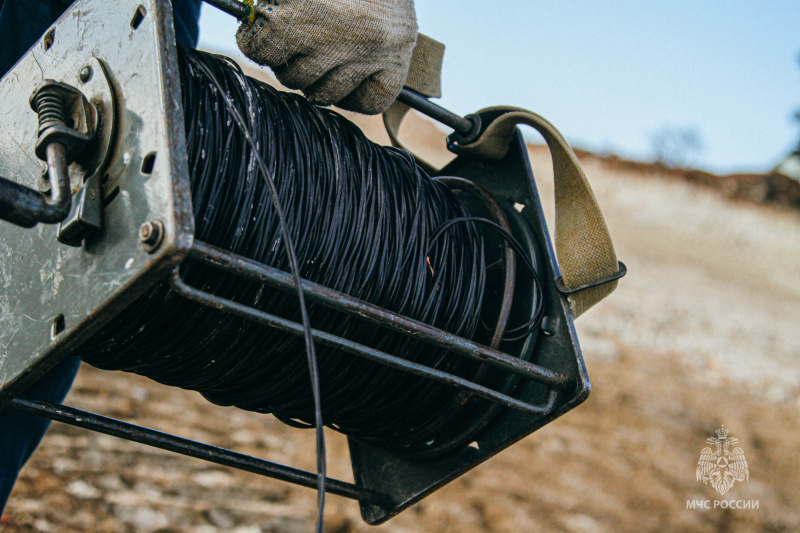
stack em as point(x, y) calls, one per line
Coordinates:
point(704, 331)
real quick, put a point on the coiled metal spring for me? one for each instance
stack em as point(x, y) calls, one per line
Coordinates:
point(50, 107)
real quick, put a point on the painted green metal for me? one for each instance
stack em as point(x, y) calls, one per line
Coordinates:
point(54, 296)
point(129, 46)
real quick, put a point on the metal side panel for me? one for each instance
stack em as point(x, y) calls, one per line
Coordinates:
point(408, 481)
point(53, 296)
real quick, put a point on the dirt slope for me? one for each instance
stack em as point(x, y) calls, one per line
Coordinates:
point(704, 331)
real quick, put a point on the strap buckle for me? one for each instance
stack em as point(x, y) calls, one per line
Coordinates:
point(563, 289)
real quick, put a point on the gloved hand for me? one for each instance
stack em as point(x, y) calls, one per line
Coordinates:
point(351, 53)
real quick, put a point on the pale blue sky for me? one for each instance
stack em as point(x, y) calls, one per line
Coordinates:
point(611, 74)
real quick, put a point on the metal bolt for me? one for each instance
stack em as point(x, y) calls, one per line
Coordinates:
point(550, 325)
point(86, 73)
point(151, 235)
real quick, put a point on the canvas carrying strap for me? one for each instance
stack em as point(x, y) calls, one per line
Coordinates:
point(424, 77)
point(586, 256)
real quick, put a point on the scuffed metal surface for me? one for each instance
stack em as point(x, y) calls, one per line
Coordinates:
point(40, 278)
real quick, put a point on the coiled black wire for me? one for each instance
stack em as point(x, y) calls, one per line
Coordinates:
point(361, 217)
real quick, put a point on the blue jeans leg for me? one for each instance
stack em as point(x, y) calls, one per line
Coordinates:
point(21, 433)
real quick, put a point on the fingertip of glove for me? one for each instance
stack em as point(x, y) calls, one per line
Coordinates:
point(365, 108)
point(372, 97)
point(319, 95)
point(257, 42)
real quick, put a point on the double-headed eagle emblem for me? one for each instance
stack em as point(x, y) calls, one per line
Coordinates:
point(723, 466)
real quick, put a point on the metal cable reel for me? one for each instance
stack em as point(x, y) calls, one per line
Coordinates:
point(108, 119)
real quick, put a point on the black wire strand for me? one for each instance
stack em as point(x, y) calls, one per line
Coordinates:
point(289, 248)
point(298, 187)
point(523, 330)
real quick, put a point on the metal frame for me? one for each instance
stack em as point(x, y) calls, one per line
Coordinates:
point(53, 296)
point(339, 301)
point(407, 481)
point(212, 454)
point(550, 376)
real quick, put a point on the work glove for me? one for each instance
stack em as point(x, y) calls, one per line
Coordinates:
point(354, 54)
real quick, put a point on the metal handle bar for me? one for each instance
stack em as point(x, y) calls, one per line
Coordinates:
point(463, 126)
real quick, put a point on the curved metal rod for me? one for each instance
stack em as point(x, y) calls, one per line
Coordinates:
point(26, 207)
point(509, 258)
point(58, 206)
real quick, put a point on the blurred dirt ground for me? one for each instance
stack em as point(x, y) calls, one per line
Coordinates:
point(703, 331)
